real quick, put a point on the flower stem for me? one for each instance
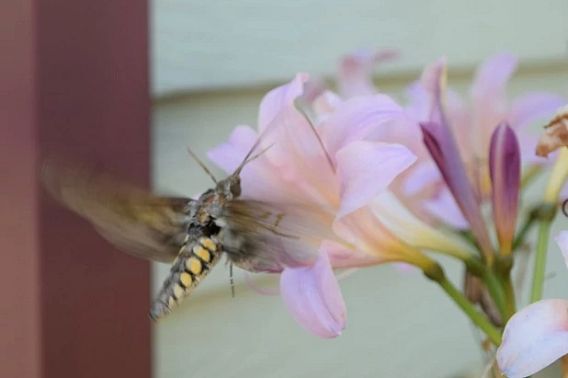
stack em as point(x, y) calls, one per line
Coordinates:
point(511, 306)
point(525, 228)
point(530, 174)
point(496, 291)
point(476, 317)
point(540, 260)
point(547, 213)
point(435, 272)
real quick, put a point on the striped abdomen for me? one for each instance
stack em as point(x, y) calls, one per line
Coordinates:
point(193, 263)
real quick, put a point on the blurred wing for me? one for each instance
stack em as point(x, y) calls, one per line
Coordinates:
point(272, 236)
point(137, 222)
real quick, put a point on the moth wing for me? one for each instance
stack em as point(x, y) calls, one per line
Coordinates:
point(271, 236)
point(134, 220)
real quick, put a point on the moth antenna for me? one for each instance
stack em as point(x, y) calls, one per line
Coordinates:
point(246, 158)
point(231, 280)
point(299, 106)
point(201, 164)
point(254, 157)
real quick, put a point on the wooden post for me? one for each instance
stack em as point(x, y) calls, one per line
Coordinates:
point(74, 84)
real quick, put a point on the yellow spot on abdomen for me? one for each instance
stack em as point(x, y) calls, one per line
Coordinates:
point(185, 279)
point(178, 291)
point(193, 265)
point(171, 303)
point(202, 253)
point(209, 244)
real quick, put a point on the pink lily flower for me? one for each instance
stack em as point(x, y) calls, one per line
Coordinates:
point(339, 167)
point(471, 122)
point(537, 335)
point(474, 124)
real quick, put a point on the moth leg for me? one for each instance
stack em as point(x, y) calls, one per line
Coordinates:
point(231, 280)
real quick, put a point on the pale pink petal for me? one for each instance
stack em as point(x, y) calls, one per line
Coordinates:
point(419, 102)
point(355, 76)
point(326, 103)
point(433, 80)
point(356, 118)
point(401, 222)
point(533, 107)
point(367, 168)
point(489, 100)
point(421, 175)
point(492, 77)
point(229, 155)
point(342, 257)
point(314, 299)
point(280, 98)
point(562, 240)
point(459, 119)
point(534, 338)
point(444, 208)
point(362, 230)
point(298, 159)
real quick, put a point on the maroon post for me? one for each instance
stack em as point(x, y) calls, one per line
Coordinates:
point(73, 84)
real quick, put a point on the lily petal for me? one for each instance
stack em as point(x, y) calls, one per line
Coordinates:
point(533, 107)
point(441, 144)
point(505, 172)
point(279, 99)
point(562, 240)
point(534, 338)
point(355, 76)
point(402, 223)
point(423, 174)
point(314, 299)
point(342, 257)
point(229, 155)
point(356, 118)
point(489, 100)
point(492, 77)
point(444, 208)
point(367, 168)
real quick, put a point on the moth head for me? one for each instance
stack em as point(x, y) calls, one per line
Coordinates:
point(231, 186)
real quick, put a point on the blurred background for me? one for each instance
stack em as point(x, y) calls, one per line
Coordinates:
point(130, 85)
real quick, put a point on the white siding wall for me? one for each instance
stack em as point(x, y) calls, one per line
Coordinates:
point(213, 62)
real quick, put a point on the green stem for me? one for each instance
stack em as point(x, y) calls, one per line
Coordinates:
point(511, 305)
point(435, 272)
point(496, 291)
point(476, 317)
point(540, 260)
point(526, 227)
point(530, 174)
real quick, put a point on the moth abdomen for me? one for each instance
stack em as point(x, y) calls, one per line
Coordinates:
point(195, 260)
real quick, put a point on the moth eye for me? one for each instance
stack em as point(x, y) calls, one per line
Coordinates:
point(235, 187)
